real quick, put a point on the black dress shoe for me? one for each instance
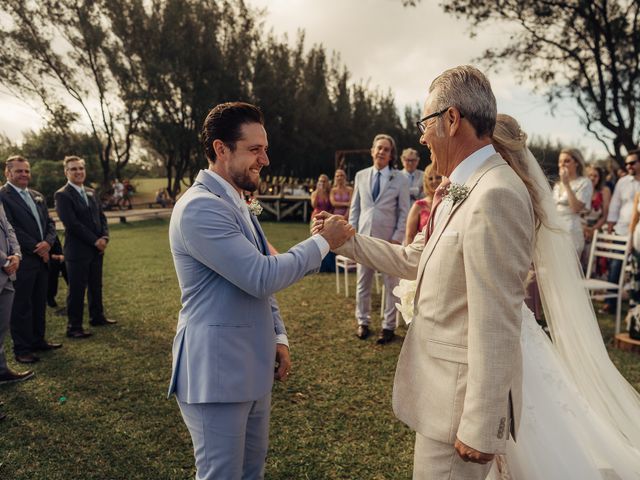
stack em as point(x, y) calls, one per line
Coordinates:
point(386, 336)
point(43, 347)
point(52, 303)
point(11, 376)
point(2, 416)
point(102, 321)
point(363, 332)
point(78, 334)
point(27, 358)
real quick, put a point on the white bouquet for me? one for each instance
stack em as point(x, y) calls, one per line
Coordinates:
point(406, 292)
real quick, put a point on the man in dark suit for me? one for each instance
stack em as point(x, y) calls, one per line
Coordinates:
point(86, 238)
point(10, 256)
point(27, 212)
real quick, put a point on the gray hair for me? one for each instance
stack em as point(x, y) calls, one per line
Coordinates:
point(384, 136)
point(408, 151)
point(467, 89)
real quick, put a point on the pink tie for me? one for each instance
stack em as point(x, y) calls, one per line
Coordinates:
point(441, 191)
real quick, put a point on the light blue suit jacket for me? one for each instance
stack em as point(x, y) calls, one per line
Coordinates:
point(386, 217)
point(224, 348)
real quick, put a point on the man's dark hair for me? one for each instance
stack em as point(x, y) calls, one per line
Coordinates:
point(224, 122)
point(634, 152)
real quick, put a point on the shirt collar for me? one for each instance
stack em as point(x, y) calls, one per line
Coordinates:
point(78, 189)
point(228, 188)
point(18, 189)
point(469, 165)
point(385, 172)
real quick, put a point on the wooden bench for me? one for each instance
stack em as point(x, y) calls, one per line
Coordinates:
point(626, 343)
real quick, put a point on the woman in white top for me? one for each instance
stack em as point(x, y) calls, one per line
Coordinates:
point(572, 194)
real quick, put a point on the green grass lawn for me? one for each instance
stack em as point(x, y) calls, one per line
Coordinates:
point(97, 408)
point(146, 188)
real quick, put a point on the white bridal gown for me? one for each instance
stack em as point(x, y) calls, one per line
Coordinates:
point(560, 436)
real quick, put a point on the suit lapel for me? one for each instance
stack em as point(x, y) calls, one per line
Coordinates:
point(18, 200)
point(387, 185)
point(262, 237)
point(76, 197)
point(492, 162)
point(211, 184)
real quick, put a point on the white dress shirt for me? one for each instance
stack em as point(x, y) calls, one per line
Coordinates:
point(464, 171)
point(621, 207)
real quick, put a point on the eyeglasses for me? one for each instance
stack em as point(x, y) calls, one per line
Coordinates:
point(422, 123)
point(632, 162)
point(76, 169)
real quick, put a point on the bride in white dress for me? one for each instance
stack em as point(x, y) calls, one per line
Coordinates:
point(580, 417)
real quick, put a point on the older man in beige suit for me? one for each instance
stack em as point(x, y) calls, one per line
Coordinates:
point(458, 379)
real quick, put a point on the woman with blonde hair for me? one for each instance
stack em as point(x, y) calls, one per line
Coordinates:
point(572, 194)
point(418, 216)
point(340, 195)
point(569, 378)
point(320, 198)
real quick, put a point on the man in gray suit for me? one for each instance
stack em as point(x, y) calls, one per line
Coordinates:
point(10, 256)
point(410, 160)
point(379, 209)
point(230, 334)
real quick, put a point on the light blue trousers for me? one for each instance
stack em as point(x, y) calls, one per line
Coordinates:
point(230, 440)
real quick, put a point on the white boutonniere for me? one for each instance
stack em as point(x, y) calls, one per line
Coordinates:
point(456, 192)
point(89, 194)
point(254, 207)
point(406, 292)
point(38, 199)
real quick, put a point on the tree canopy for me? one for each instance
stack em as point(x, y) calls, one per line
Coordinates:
point(584, 50)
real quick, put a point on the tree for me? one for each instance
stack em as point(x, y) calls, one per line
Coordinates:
point(585, 50)
point(62, 51)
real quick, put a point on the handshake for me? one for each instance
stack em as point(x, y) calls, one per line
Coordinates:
point(333, 228)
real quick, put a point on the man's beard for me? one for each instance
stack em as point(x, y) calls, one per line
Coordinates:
point(244, 181)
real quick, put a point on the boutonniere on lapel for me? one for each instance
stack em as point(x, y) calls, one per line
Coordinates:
point(392, 175)
point(254, 207)
point(39, 199)
point(456, 192)
point(89, 194)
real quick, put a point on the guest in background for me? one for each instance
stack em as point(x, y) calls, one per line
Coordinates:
point(572, 194)
point(410, 160)
point(421, 209)
point(320, 197)
point(10, 256)
point(597, 216)
point(379, 209)
point(35, 230)
point(56, 268)
point(86, 238)
point(340, 195)
point(162, 198)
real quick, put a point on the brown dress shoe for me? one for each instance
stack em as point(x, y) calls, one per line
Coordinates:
point(363, 332)
point(386, 336)
point(11, 376)
point(78, 334)
point(44, 346)
point(27, 358)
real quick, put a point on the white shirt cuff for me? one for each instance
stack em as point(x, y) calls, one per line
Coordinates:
point(282, 339)
point(322, 244)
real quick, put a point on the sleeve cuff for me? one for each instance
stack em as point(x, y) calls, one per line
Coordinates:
point(322, 244)
point(282, 339)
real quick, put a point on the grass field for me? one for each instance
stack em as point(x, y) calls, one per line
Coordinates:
point(97, 408)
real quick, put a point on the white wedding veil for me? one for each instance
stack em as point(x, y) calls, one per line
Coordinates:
point(567, 306)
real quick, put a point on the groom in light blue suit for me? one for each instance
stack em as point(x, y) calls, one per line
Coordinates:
point(230, 334)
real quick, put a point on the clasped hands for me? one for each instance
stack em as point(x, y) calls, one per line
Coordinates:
point(42, 249)
point(333, 228)
point(12, 267)
point(472, 455)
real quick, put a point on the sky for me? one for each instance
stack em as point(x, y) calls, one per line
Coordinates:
point(392, 47)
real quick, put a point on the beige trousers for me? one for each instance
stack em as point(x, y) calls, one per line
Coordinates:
point(433, 460)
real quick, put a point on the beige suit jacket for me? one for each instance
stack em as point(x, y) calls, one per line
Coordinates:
point(460, 369)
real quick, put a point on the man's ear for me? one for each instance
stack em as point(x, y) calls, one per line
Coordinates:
point(219, 147)
point(454, 119)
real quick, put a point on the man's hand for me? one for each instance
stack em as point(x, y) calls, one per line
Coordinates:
point(101, 244)
point(14, 263)
point(283, 359)
point(334, 228)
point(42, 248)
point(469, 454)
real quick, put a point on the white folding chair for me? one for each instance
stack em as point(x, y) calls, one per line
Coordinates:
point(614, 247)
point(347, 265)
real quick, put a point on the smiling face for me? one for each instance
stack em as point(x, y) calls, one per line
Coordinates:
point(410, 162)
point(18, 173)
point(242, 166)
point(381, 153)
point(75, 172)
point(594, 176)
point(340, 178)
